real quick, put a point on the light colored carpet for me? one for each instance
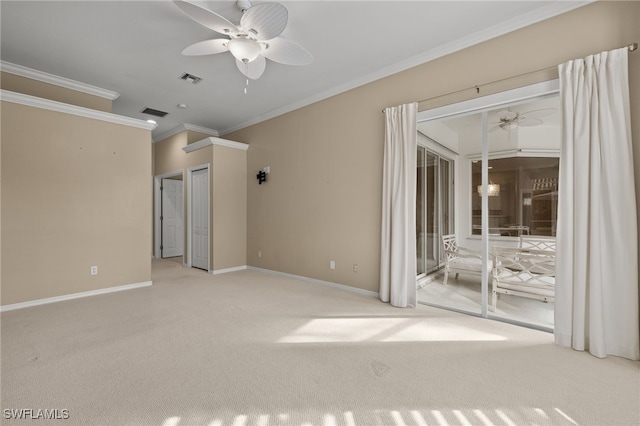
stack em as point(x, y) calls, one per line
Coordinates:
point(249, 348)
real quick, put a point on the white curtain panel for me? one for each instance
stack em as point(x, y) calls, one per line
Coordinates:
point(398, 257)
point(596, 307)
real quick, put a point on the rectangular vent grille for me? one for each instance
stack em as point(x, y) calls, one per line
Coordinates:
point(190, 78)
point(155, 112)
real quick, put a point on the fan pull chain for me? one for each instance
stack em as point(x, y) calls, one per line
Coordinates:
point(246, 68)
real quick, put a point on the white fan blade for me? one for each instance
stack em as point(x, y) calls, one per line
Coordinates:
point(286, 52)
point(265, 21)
point(207, 47)
point(253, 69)
point(207, 18)
point(493, 129)
point(538, 113)
point(527, 122)
point(506, 115)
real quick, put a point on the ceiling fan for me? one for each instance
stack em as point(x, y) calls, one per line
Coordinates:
point(508, 119)
point(254, 40)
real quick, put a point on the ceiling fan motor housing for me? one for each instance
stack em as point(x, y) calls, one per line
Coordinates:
point(243, 5)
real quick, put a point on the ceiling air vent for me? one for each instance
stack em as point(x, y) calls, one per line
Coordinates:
point(190, 78)
point(155, 112)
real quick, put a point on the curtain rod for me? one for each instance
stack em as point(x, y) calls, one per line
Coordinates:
point(632, 48)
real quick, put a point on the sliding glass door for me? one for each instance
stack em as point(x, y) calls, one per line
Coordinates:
point(507, 172)
point(434, 203)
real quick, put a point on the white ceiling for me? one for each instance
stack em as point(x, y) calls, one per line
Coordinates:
point(133, 48)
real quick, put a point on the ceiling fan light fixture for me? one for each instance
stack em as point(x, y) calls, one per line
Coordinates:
point(244, 49)
point(493, 190)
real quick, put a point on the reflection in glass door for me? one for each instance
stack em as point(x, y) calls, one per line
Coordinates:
point(434, 199)
point(431, 211)
point(421, 217)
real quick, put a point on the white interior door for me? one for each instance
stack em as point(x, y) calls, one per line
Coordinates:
point(172, 218)
point(200, 219)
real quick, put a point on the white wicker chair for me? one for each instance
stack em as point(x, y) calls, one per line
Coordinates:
point(538, 243)
point(523, 272)
point(461, 260)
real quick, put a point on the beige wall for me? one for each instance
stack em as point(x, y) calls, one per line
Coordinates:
point(19, 84)
point(75, 193)
point(168, 155)
point(322, 199)
point(229, 207)
point(227, 201)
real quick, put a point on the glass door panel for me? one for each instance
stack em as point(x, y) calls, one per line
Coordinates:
point(461, 291)
point(434, 204)
point(446, 197)
point(433, 199)
point(523, 208)
point(432, 213)
point(420, 214)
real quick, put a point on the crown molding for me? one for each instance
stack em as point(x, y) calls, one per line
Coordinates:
point(182, 128)
point(214, 141)
point(33, 101)
point(57, 81)
point(549, 11)
point(200, 129)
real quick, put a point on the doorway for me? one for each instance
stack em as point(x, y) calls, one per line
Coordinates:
point(172, 218)
point(199, 217)
point(169, 215)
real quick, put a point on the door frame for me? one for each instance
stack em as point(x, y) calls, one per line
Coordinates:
point(190, 172)
point(157, 209)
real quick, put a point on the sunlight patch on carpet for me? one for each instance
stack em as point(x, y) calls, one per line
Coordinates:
point(327, 330)
point(440, 416)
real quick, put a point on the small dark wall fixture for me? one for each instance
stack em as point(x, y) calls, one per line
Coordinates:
point(262, 177)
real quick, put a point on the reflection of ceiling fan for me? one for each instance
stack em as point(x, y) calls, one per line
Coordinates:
point(252, 41)
point(509, 119)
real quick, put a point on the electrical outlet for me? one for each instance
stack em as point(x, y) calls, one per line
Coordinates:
point(332, 264)
point(355, 267)
point(259, 253)
point(94, 270)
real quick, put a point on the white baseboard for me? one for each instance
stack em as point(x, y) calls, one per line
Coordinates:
point(224, 271)
point(318, 282)
point(72, 296)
